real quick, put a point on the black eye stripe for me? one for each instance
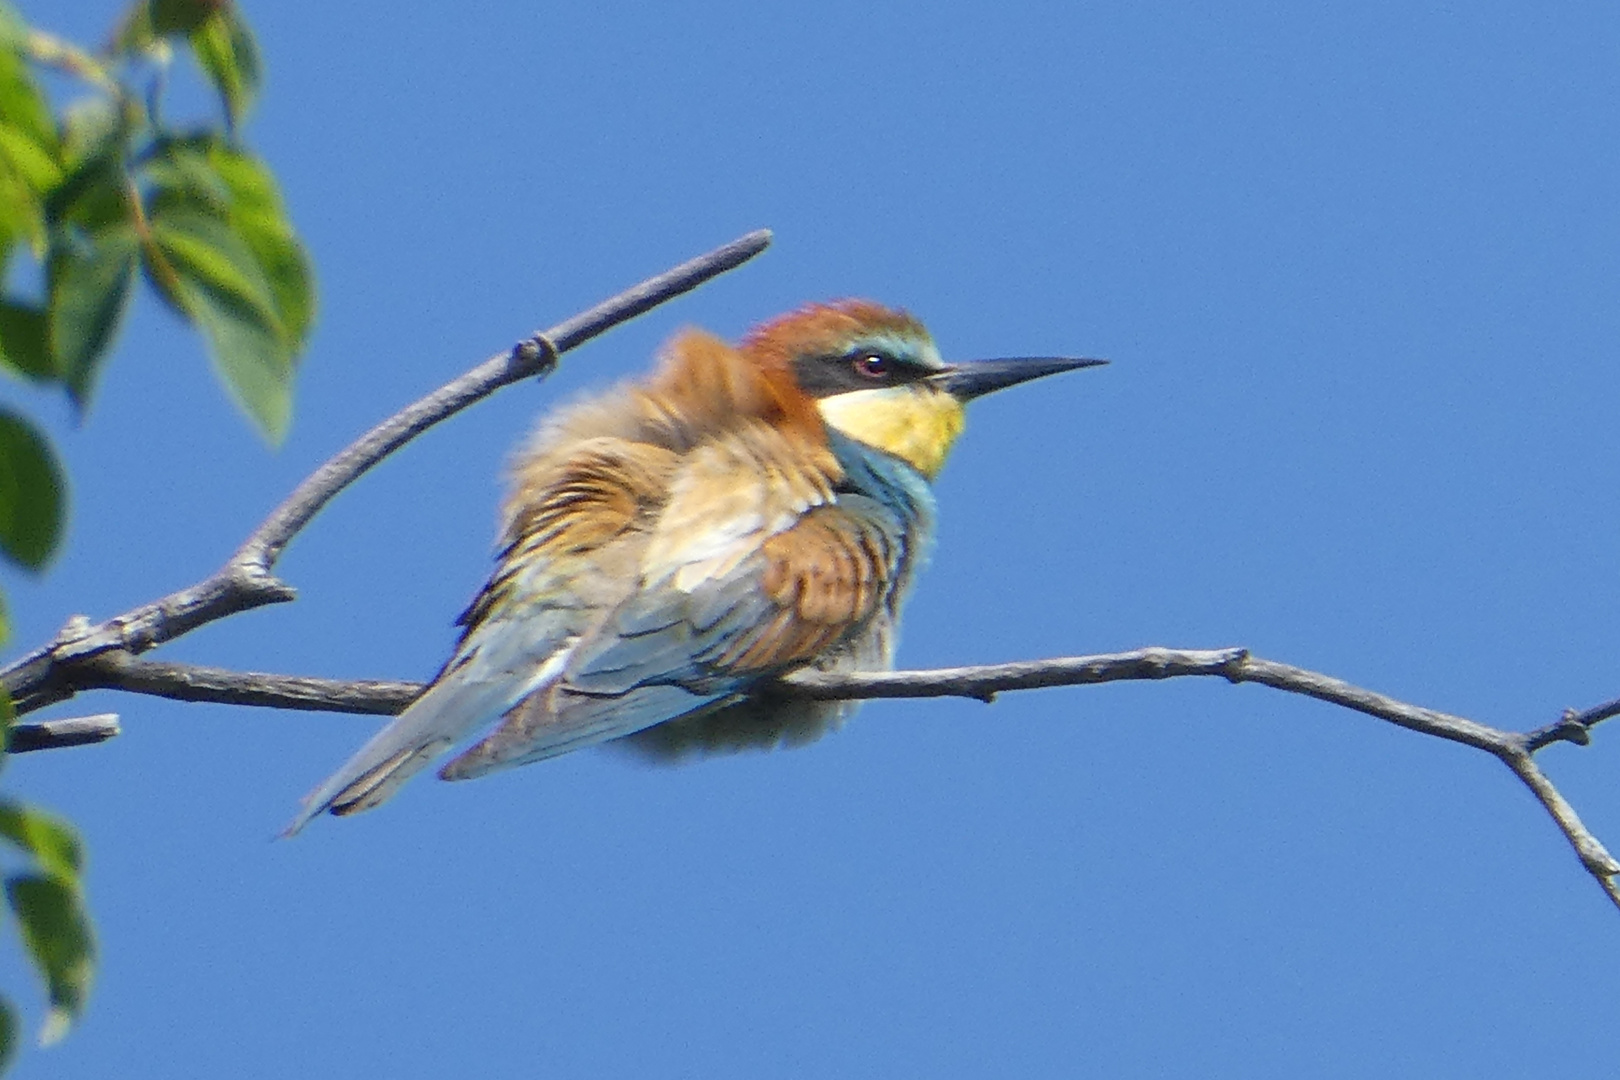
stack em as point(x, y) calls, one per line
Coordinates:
point(863, 368)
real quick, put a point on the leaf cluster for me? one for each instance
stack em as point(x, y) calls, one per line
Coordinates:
point(47, 900)
point(111, 190)
point(96, 194)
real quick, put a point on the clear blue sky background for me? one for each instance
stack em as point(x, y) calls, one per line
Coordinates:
point(1356, 265)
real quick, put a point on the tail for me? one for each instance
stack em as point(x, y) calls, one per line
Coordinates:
point(434, 722)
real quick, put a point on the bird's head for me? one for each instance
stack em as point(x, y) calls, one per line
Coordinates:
point(876, 376)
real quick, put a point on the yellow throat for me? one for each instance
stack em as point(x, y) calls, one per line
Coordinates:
point(916, 423)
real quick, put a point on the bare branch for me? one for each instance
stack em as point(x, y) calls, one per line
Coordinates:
point(985, 681)
point(245, 582)
point(191, 682)
point(1593, 855)
point(1235, 665)
point(196, 682)
point(1337, 692)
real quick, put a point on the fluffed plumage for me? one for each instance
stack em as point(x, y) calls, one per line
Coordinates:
point(669, 546)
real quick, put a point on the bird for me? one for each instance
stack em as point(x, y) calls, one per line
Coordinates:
point(671, 547)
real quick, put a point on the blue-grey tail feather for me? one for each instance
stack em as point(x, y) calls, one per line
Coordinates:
point(565, 721)
point(431, 725)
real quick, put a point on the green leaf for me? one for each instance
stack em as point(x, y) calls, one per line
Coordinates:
point(25, 340)
point(87, 288)
point(31, 486)
point(46, 838)
point(181, 16)
point(133, 32)
point(22, 104)
point(20, 219)
point(13, 31)
point(261, 220)
point(29, 160)
point(204, 175)
point(30, 150)
point(89, 264)
point(182, 176)
point(59, 941)
point(250, 356)
point(8, 1035)
point(212, 274)
point(91, 127)
point(222, 253)
point(229, 56)
point(203, 247)
point(96, 193)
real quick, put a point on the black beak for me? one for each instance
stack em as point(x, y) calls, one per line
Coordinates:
point(977, 378)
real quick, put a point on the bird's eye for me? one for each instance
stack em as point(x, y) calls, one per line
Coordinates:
point(873, 366)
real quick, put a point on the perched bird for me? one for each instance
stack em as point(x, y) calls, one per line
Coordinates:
point(671, 546)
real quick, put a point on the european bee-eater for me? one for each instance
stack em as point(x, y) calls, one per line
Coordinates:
point(671, 546)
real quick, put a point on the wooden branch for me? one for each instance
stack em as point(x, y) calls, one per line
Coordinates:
point(246, 581)
point(190, 682)
point(53, 734)
point(195, 682)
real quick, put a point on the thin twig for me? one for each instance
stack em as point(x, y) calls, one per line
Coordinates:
point(1298, 680)
point(1593, 855)
point(51, 51)
point(984, 681)
point(245, 582)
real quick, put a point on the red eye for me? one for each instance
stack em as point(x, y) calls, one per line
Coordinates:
point(872, 366)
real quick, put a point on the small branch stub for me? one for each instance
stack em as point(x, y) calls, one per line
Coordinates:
point(55, 734)
point(535, 356)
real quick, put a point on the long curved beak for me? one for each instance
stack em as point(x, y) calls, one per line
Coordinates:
point(976, 378)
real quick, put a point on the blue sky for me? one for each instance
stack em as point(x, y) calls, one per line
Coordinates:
point(1356, 267)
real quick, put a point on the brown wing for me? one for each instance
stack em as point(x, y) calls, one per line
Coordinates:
point(668, 652)
point(825, 576)
point(565, 516)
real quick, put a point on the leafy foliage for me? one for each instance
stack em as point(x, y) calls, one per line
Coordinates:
point(30, 493)
point(102, 194)
point(111, 188)
point(48, 904)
